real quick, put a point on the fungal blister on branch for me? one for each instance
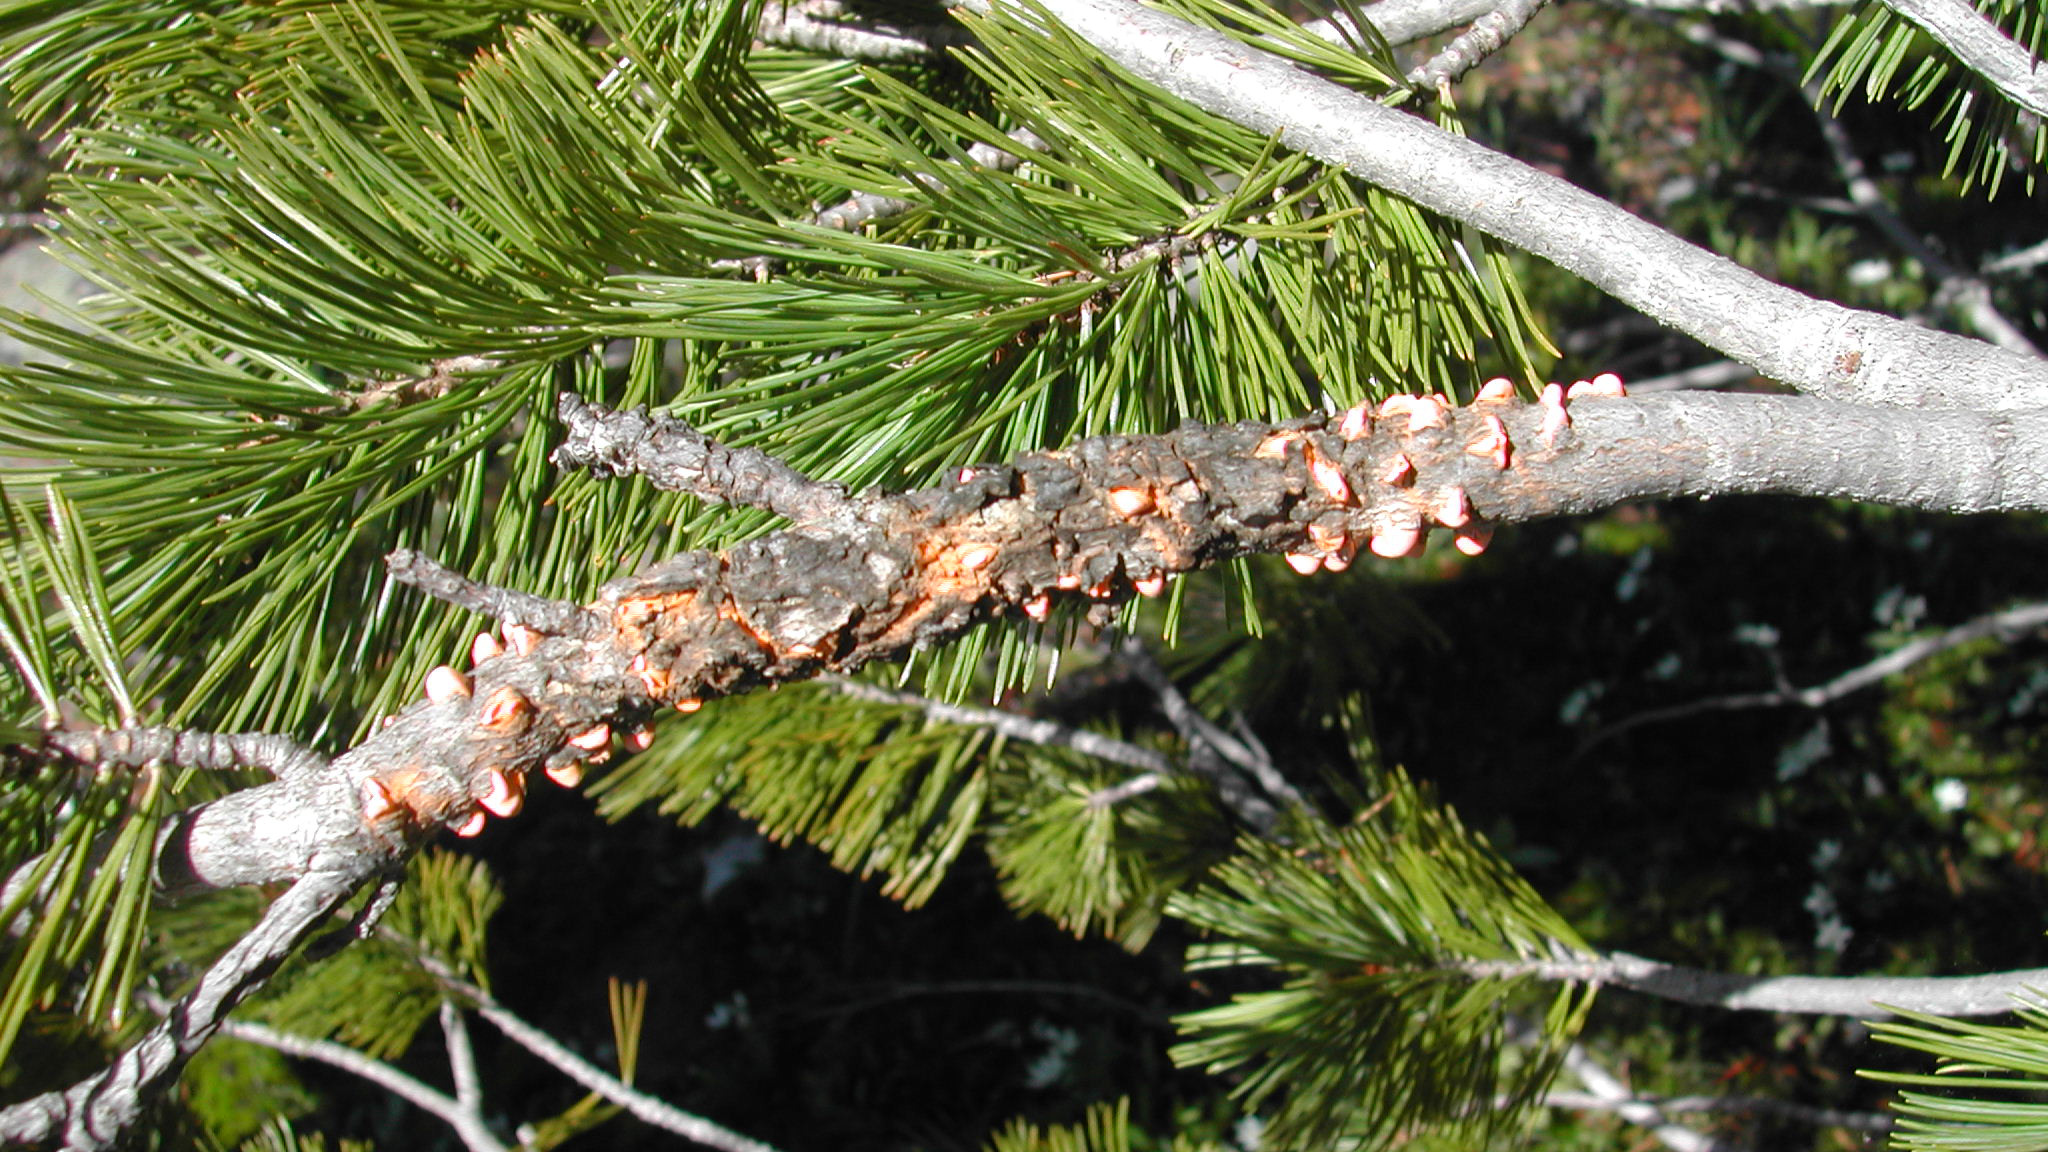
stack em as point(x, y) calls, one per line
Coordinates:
point(863, 577)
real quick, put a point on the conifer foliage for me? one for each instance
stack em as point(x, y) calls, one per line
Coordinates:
point(727, 401)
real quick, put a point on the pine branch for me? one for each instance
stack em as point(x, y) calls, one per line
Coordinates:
point(1205, 758)
point(828, 28)
point(1402, 21)
point(880, 575)
point(461, 1115)
point(1488, 34)
point(648, 1108)
point(677, 458)
point(2008, 624)
point(1968, 293)
point(1012, 726)
point(1214, 753)
point(1864, 997)
point(1815, 346)
point(515, 609)
point(208, 751)
point(1605, 1086)
point(1818, 1117)
point(863, 208)
point(100, 1111)
point(469, 1091)
point(1981, 47)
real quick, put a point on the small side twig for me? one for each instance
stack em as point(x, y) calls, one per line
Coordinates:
point(1402, 21)
point(1009, 724)
point(2007, 624)
point(648, 1108)
point(552, 617)
point(1205, 739)
point(1979, 45)
point(675, 457)
point(459, 1114)
point(1968, 293)
point(862, 208)
point(1818, 1117)
point(1608, 1087)
point(209, 751)
point(101, 1110)
point(829, 28)
point(1865, 997)
point(462, 1071)
point(1487, 35)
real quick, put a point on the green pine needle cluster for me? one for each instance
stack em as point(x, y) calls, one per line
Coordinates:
point(1383, 1026)
point(1989, 137)
point(1985, 1092)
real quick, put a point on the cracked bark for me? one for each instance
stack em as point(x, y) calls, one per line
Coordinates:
point(875, 576)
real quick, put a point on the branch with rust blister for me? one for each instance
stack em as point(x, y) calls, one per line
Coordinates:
point(875, 576)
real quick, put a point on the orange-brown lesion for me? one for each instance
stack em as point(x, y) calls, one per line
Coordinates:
point(955, 567)
point(408, 794)
point(632, 616)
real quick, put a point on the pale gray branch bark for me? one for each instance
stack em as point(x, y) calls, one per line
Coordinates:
point(1608, 1088)
point(1979, 46)
point(100, 1111)
point(2007, 624)
point(460, 1115)
point(1865, 997)
point(1589, 1101)
point(828, 28)
point(1404, 21)
point(648, 1108)
point(1968, 293)
point(1816, 346)
point(1010, 725)
point(1488, 34)
point(469, 1088)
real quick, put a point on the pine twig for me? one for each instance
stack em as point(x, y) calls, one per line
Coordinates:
point(1864, 997)
point(208, 751)
point(648, 1108)
point(100, 1111)
point(462, 1072)
point(1214, 753)
point(863, 208)
point(1487, 35)
point(1154, 767)
point(1010, 725)
point(676, 457)
point(523, 609)
point(1968, 293)
point(830, 28)
point(460, 1114)
point(1813, 345)
point(1401, 22)
point(1875, 1123)
point(2006, 624)
point(1979, 45)
point(1607, 1086)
